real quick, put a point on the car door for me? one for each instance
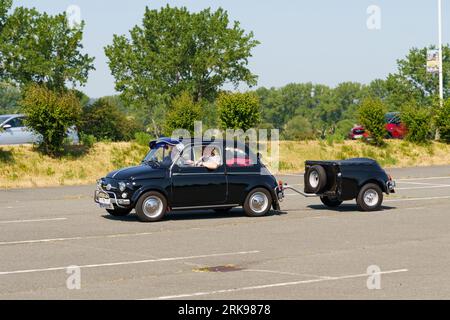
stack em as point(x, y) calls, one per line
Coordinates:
point(197, 186)
point(12, 134)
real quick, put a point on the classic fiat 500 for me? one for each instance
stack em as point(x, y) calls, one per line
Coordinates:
point(189, 175)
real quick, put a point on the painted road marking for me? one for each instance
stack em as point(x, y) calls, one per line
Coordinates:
point(274, 285)
point(417, 199)
point(114, 264)
point(35, 220)
point(426, 178)
point(75, 238)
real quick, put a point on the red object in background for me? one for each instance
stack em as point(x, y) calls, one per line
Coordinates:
point(358, 132)
point(239, 162)
point(395, 128)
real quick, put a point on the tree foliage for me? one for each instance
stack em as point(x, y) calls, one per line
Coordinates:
point(418, 120)
point(37, 48)
point(238, 110)
point(298, 128)
point(442, 121)
point(184, 111)
point(176, 51)
point(371, 114)
point(50, 114)
point(105, 121)
point(9, 98)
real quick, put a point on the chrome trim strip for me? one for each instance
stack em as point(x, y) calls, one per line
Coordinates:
point(206, 207)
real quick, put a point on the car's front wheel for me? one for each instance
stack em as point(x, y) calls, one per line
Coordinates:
point(151, 207)
point(119, 212)
point(370, 197)
point(258, 203)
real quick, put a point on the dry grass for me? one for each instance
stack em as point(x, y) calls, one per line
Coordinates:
point(23, 167)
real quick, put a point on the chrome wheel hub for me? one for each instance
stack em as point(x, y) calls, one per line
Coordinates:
point(259, 202)
point(371, 198)
point(152, 207)
point(314, 179)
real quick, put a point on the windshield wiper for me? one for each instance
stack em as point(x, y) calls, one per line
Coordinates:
point(152, 162)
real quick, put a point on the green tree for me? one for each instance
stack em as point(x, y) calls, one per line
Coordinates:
point(238, 110)
point(183, 113)
point(43, 49)
point(442, 121)
point(371, 114)
point(299, 128)
point(418, 120)
point(9, 98)
point(105, 121)
point(175, 51)
point(5, 6)
point(50, 114)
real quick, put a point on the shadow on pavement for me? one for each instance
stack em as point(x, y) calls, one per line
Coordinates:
point(346, 208)
point(196, 215)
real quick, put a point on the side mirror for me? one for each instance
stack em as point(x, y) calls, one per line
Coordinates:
point(7, 126)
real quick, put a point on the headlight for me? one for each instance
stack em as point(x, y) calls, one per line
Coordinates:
point(122, 186)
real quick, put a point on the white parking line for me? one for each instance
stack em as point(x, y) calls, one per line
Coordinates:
point(35, 220)
point(417, 199)
point(426, 178)
point(274, 285)
point(76, 238)
point(441, 186)
point(114, 264)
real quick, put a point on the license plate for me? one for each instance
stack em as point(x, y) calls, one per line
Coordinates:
point(104, 201)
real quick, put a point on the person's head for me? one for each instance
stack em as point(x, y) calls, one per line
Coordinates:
point(209, 151)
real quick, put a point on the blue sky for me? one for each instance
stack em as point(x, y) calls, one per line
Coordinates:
point(320, 41)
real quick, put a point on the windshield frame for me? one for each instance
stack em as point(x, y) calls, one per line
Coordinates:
point(169, 150)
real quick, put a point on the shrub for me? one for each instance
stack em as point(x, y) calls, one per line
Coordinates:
point(442, 121)
point(371, 115)
point(418, 121)
point(182, 115)
point(87, 140)
point(238, 110)
point(50, 114)
point(105, 121)
point(298, 128)
point(142, 138)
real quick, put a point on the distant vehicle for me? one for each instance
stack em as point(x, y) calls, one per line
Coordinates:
point(358, 132)
point(15, 132)
point(395, 128)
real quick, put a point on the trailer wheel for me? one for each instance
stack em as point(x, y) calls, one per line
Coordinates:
point(331, 202)
point(316, 179)
point(370, 197)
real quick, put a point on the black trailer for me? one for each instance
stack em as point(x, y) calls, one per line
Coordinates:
point(338, 181)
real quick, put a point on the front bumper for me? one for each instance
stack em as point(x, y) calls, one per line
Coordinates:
point(107, 199)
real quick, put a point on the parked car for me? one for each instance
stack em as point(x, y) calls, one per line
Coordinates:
point(15, 132)
point(358, 132)
point(395, 128)
point(167, 181)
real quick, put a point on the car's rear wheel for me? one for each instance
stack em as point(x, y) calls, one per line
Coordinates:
point(316, 179)
point(151, 207)
point(331, 202)
point(119, 212)
point(258, 203)
point(370, 197)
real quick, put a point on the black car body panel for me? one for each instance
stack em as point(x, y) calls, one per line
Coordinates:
point(346, 177)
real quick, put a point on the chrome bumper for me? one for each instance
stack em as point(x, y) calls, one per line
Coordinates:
point(107, 199)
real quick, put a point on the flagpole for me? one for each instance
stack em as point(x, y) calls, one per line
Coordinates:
point(441, 76)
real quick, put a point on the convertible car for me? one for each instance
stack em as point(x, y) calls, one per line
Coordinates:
point(175, 176)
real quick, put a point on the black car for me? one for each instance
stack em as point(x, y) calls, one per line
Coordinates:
point(337, 181)
point(175, 176)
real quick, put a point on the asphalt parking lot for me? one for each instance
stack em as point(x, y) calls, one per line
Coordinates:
point(307, 252)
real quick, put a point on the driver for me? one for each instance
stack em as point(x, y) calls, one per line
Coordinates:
point(211, 158)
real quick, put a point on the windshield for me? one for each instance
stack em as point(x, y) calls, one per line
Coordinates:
point(161, 156)
point(3, 119)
